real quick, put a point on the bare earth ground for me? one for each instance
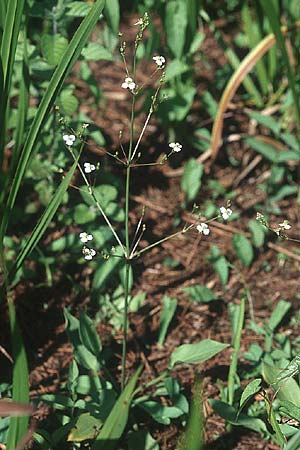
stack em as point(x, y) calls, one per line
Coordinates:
point(48, 350)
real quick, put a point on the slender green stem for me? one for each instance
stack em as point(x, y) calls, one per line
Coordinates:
point(236, 347)
point(125, 324)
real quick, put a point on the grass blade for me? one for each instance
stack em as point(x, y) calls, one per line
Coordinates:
point(62, 71)
point(18, 425)
point(115, 423)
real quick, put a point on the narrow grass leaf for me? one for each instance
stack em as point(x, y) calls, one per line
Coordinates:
point(167, 313)
point(116, 422)
point(20, 392)
point(89, 335)
point(62, 71)
point(293, 443)
point(266, 150)
point(112, 12)
point(196, 353)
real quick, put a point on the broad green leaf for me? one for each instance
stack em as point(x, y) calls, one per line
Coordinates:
point(105, 270)
point(141, 440)
point(290, 371)
point(175, 26)
point(89, 335)
point(167, 313)
point(95, 52)
point(196, 353)
point(175, 68)
point(288, 388)
point(191, 178)
point(116, 422)
point(243, 249)
point(258, 232)
point(229, 413)
point(251, 389)
point(78, 9)
point(112, 12)
point(53, 47)
point(288, 409)
point(200, 294)
point(84, 214)
point(86, 427)
point(278, 314)
point(68, 102)
point(288, 155)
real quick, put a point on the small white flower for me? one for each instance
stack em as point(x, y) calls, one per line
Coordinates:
point(88, 167)
point(85, 125)
point(88, 253)
point(203, 228)
point(69, 139)
point(285, 225)
point(159, 60)
point(225, 212)
point(128, 84)
point(175, 146)
point(85, 237)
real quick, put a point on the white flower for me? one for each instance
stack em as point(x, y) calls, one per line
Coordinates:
point(128, 84)
point(69, 139)
point(175, 146)
point(88, 167)
point(85, 125)
point(159, 60)
point(285, 225)
point(88, 253)
point(85, 237)
point(203, 228)
point(225, 212)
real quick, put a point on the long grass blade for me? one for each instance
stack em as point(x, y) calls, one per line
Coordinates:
point(62, 71)
point(20, 391)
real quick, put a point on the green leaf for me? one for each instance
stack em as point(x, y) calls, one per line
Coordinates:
point(266, 121)
point(200, 294)
point(278, 314)
point(243, 249)
point(89, 335)
point(105, 269)
point(84, 214)
point(68, 102)
point(18, 426)
point(220, 264)
point(288, 409)
point(258, 232)
point(229, 413)
point(288, 388)
point(86, 427)
point(175, 68)
point(112, 12)
point(264, 149)
point(161, 413)
point(251, 389)
point(196, 353)
point(78, 9)
point(293, 443)
point(167, 313)
point(53, 48)
point(191, 178)
point(116, 422)
point(141, 440)
point(95, 52)
point(175, 26)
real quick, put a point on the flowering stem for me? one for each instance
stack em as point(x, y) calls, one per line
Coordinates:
point(125, 323)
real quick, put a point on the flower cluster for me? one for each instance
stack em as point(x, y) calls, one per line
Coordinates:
point(203, 228)
point(88, 167)
point(85, 237)
point(225, 212)
point(159, 61)
point(128, 84)
point(88, 253)
point(175, 146)
point(69, 139)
